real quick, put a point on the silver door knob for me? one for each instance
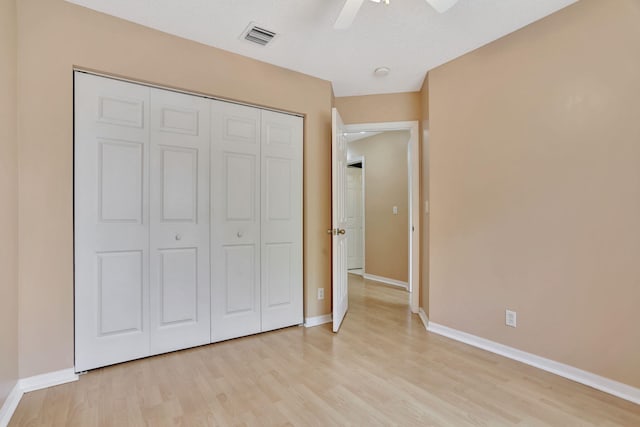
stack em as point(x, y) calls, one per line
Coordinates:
point(239, 234)
point(178, 237)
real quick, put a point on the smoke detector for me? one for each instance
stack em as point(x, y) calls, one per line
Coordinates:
point(381, 71)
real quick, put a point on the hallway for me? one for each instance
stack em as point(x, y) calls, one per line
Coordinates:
point(383, 368)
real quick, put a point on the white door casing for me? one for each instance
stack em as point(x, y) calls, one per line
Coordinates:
point(111, 221)
point(179, 210)
point(355, 210)
point(235, 220)
point(281, 226)
point(339, 287)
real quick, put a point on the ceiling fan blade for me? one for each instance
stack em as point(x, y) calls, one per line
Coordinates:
point(348, 14)
point(441, 6)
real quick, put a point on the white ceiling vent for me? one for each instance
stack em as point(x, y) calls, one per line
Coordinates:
point(258, 35)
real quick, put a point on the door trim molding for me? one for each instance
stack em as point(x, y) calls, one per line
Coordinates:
point(598, 382)
point(413, 178)
point(351, 161)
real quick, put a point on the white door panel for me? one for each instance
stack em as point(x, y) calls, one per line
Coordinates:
point(339, 249)
point(235, 220)
point(281, 228)
point(111, 214)
point(179, 206)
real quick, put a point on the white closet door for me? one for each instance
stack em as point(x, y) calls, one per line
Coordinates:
point(111, 220)
point(179, 210)
point(235, 220)
point(281, 227)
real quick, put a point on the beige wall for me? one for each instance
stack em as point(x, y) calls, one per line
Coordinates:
point(424, 195)
point(54, 37)
point(535, 189)
point(386, 185)
point(9, 201)
point(393, 107)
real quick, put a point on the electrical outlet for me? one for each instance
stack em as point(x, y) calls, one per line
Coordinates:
point(395, 210)
point(510, 318)
point(320, 293)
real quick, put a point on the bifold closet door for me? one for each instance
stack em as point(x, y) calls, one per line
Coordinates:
point(179, 214)
point(111, 220)
point(235, 220)
point(281, 224)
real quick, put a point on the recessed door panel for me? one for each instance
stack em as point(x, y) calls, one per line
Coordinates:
point(179, 120)
point(121, 111)
point(179, 212)
point(278, 188)
point(120, 292)
point(238, 128)
point(279, 135)
point(278, 274)
point(179, 181)
point(111, 262)
point(240, 279)
point(120, 171)
point(240, 186)
point(179, 286)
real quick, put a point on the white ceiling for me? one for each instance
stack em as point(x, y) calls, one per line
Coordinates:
point(407, 36)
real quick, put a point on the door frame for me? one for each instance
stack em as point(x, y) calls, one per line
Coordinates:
point(353, 161)
point(413, 179)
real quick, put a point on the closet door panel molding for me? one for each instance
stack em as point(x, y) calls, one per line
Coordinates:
point(281, 222)
point(235, 220)
point(180, 289)
point(111, 221)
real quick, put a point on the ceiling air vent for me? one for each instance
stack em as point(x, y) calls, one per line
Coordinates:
point(258, 35)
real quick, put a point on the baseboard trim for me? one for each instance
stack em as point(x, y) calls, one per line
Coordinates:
point(10, 404)
point(598, 382)
point(424, 318)
point(33, 383)
point(49, 379)
point(317, 320)
point(386, 280)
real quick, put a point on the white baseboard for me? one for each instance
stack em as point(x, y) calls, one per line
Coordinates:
point(28, 384)
point(49, 379)
point(386, 280)
point(607, 385)
point(10, 405)
point(317, 320)
point(424, 318)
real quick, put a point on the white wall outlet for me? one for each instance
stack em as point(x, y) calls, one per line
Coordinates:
point(320, 293)
point(510, 318)
point(395, 210)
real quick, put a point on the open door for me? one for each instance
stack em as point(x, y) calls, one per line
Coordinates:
point(339, 250)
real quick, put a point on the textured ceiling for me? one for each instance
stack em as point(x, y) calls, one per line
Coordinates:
point(407, 36)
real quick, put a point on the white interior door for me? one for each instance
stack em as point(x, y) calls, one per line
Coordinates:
point(281, 227)
point(354, 218)
point(235, 220)
point(179, 210)
point(340, 285)
point(111, 220)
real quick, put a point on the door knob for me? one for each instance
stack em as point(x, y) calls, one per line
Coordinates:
point(336, 231)
point(239, 234)
point(178, 237)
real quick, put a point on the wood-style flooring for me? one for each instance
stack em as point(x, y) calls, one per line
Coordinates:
point(383, 368)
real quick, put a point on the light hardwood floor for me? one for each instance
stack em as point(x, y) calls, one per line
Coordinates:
point(383, 368)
